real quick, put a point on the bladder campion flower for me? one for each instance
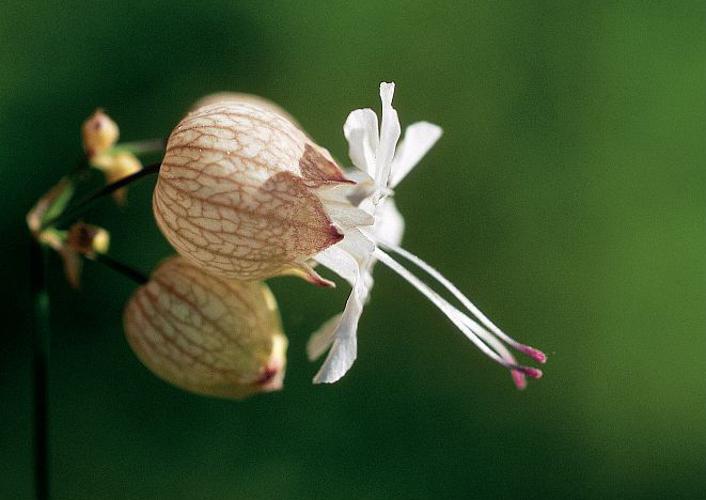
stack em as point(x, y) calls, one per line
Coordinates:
point(207, 334)
point(242, 191)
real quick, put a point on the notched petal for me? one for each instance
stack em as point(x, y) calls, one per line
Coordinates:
point(418, 140)
point(321, 339)
point(361, 132)
point(389, 135)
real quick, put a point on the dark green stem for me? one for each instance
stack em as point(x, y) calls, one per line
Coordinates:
point(80, 207)
point(40, 348)
point(135, 275)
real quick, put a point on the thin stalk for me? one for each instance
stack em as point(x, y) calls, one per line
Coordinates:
point(41, 336)
point(81, 206)
point(137, 276)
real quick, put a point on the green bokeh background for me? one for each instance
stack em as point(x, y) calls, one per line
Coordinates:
point(566, 197)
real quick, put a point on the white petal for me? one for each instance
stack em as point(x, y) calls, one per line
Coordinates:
point(338, 206)
point(338, 192)
point(358, 176)
point(389, 223)
point(358, 245)
point(345, 344)
point(361, 131)
point(348, 257)
point(351, 259)
point(340, 262)
point(418, 139)
point(389, 135)
point(322, 338)
point(346, 216)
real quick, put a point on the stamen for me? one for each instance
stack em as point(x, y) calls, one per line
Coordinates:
point(532, 352)
point(518, 376)
point(534, 373)
point(519, 379)
point(460, 320)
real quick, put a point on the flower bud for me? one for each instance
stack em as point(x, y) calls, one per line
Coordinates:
point(238, 192)
point(87, 239)
point(207, 334)
point(81, 239)
point(99, 132)
point(115, 167)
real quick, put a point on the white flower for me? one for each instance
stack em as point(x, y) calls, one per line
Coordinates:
point(382, 164)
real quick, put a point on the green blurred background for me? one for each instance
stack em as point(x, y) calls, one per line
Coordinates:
point(566, 197)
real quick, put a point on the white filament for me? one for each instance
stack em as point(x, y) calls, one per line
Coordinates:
point(468, 327)
point(456, 293)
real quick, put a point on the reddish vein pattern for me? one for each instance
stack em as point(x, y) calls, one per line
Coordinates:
point(206, 334)
point(236, 192)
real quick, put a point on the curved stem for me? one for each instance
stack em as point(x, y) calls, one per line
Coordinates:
point(82, 205)
point(137, 276)
point(41, 337)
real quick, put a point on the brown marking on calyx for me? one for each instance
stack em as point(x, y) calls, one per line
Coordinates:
point(308, 217)
point(336, 235)
point(317, 170)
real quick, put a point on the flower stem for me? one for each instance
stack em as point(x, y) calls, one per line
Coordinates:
point(135, 275)
point(41, 336)
point(82, 205)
